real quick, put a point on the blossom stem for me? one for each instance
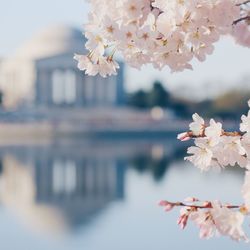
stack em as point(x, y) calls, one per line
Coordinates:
point(235, 133)
point(241, 19)
point(208, 205)
point(243, 3)
point(223, 133)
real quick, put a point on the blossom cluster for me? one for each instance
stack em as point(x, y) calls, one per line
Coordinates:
point(160, 32)
point(214, 147)
point(212, 218)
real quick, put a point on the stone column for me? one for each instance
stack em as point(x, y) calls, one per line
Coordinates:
point(57, 87)
point(80, 91)
point(99, 91)
point(89, 90)
point(43, 88)
point(111, 91)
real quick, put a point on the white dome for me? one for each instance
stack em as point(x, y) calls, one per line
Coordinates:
point(53, 41)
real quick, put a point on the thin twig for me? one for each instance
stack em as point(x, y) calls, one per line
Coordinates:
point(241, 19)
point(191, 135)
point(243, 3)
point(180, 204)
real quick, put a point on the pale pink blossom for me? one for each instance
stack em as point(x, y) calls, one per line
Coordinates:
point(219, 220)
point(204, 220)
point(197, 126)
point(103, 65)
point(231, 152)
point(213, 132)
point(184, 216)
point(228, 222)
point(245, 125)
point(202, 155)
point(246, 191)
point(167, 33)
point(168, 206)
point(183, 136)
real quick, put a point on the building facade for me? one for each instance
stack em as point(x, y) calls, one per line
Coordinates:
point(43, 73)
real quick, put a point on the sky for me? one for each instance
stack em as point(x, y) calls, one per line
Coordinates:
point(228, 66)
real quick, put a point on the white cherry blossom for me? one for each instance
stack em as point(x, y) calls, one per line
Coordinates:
point(245, 142)
point(228, 222)
point(212, 218)
point(172, 33)
point(204, 220)
point(202, 154)
point(104, 65)
point(245, 125)
point(166, 32)
point(213, 132)
point(246, 191)
point(231, 152)
point(197, 126)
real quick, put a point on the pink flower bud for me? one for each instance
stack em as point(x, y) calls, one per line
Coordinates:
point(169, 207)
point(183, 136)
point(182, 221)
point(163, 203)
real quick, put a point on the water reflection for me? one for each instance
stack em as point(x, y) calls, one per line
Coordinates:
point(159, 162)
point(60, 186)
point(19, 193)
point(102, 194)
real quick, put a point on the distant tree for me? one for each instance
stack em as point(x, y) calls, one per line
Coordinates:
point(231, 104)
point(158, 96)
point(139, 99)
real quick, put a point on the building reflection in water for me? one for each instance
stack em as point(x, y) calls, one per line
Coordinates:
point(62, 186)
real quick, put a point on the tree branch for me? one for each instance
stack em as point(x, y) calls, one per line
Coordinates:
point(241, 19)
point(190, 135)
point(243, 3)
point(206, 206)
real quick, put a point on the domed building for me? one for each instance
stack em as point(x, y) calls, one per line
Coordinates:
point(43, 72)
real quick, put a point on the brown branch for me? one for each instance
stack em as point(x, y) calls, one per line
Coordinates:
point(241, 19)
point(190, 134)
point(232, 133)
point(243, 3)
point(208, 205)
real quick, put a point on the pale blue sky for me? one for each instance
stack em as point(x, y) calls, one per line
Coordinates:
point(20, 19)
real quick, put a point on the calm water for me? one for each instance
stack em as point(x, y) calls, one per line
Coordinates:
point(92, 195)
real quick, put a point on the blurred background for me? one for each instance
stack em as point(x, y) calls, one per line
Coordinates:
point(85, 160)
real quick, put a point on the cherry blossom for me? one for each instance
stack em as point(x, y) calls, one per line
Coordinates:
point(168, 206)
point(231, 152)
point(241, 29)
point(241, 34)
point(246, 190)
point(213, 132)
point(215, 147)
point(161, 32)
point(104, 65)
point(202, 154)
point(228, 222)
point(204, 220)
point(197, 125)
point(245, 141)
point(172, 33)
point(212, 218)
point(245, 125)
